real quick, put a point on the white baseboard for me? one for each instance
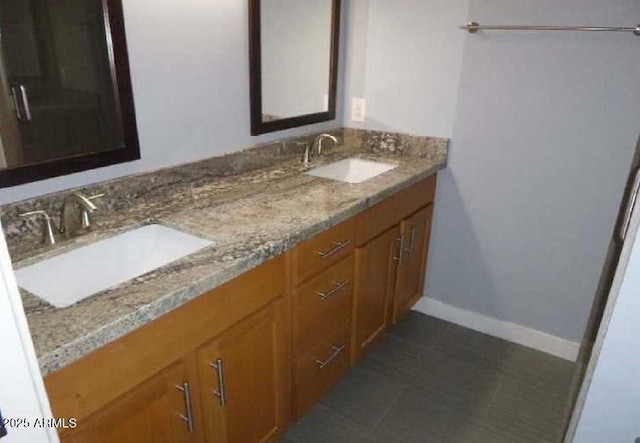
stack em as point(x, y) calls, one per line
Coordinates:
point(521, 335)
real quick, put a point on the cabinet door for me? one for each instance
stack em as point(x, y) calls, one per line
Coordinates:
point(243, 376)
point(158, 410)
point(411, 268)
point(375, 273)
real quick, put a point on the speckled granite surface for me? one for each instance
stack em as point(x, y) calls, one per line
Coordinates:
point(254, 205)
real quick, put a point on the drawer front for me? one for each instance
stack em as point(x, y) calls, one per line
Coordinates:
point(321, 368)
point(322, 251)
point(321, 303)
point(390, 211)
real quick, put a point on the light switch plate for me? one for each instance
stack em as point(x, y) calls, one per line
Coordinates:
point(358, 109)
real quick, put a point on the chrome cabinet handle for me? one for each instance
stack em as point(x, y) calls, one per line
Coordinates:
point(398, 257)
point(336, 288)
point(631, 203)
point(336, 351)
point(21, 102)
point(221, 392)
point(413, 234)
point(337, 246)
point(187, 417)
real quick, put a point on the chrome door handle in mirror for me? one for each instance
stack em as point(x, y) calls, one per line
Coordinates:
point(336, 351)
point(631, 203)
point(336, 288)
point(21, 103)
point(337, 246)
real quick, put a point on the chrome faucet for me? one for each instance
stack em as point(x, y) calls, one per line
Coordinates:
point(316, 146)
point(76, 213)
point(317, 143)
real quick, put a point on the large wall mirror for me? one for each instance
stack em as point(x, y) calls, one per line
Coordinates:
point(65, 91)
point(293, 61)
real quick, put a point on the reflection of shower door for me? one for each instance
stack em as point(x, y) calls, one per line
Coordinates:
point(10, 144)
point(58, 77)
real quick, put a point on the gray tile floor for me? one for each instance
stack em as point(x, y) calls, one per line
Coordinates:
point(431, 381)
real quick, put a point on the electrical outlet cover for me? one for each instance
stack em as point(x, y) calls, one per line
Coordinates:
point(358, 110)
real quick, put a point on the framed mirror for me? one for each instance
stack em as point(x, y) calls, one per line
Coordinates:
point(293, 47)
point(66, 103)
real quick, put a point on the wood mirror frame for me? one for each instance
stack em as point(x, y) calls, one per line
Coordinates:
point(129, 150)
point(258, 126)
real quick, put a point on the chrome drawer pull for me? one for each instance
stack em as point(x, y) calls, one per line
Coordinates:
point(413, 234)
point(187, 417)
point(337, 246)
point(336, 351)
point(398, 257)
point(338, 286)
point(221, 393)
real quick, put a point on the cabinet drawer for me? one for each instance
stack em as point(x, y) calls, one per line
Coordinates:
point(321, 303)
point(322, 251)
point(320, 368)
point(390, 211)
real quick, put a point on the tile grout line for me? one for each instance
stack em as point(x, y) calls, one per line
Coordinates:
point(393, 404)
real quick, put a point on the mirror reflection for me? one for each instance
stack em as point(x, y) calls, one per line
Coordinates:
point(296, 57)
point(58, 92)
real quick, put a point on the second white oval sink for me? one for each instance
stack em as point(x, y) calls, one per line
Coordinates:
point(351, 170)
point(70, 277)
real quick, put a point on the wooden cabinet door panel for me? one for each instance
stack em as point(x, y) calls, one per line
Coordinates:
point(410, 278)
point(242, 379)
point(375, 272)
point(149, 413)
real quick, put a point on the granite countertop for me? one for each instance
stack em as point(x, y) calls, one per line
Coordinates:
point(251, 216)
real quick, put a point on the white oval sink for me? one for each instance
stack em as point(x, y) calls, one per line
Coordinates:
point(351, 170)
point(70, 277)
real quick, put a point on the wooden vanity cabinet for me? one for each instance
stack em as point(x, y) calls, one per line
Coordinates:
point(152, 384)
point(392, 244)
point(234, 364)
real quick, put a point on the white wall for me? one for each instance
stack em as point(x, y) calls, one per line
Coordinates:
point(542, 138)
point(190, 72)
point(610, 412)
point(404, 57)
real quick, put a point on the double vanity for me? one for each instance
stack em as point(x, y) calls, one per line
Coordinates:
point(219, 305)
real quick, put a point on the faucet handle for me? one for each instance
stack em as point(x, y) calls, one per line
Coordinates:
point(85, 218)
point(48, 225)
point(308, 153)
point(97, 196)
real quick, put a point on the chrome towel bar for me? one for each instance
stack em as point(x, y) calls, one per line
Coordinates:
point(474, 27)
